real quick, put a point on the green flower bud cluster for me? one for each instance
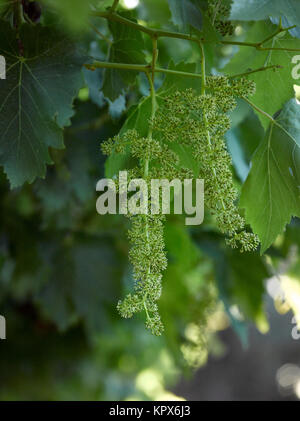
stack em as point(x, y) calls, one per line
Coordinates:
point(147, 254)
point(219, 11)
point(200, 122)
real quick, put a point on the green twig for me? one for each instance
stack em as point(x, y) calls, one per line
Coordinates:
point(261, 69)
point(258, 46)
point(157, 33)
point(114, 6)
point(269, 117)
point(203, 83)
point(17, 19)
point(153, 33)
point(150, 132)
point(278, 49)
point(278, 31)
point(154, 57)
point(208, 136)
point(100, 34)
point(138, 68)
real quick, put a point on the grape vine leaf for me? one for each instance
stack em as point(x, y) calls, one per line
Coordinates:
point(273, 87)
point(3, 5)
point(242, 141)
point(35, 99)
point(262, 9)
point(224, 284)
point(127, 47)
point(271, 193)
point(77, 20)
point(295, 32)
point(77, 272)
point(138, 118)
point(179, 83)
point(185, 13)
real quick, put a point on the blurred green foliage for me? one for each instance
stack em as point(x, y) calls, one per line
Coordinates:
point(63, 267)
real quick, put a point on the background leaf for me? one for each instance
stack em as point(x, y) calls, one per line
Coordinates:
point(127, 47)
point(295, 32)
point(81, 269)
point(262, 9)
point(270, 194)
point(78, 19)
point(242, 141)
point(278, 83)
point(35, 99)
point(185, 13)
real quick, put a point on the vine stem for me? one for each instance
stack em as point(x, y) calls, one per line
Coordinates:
point(259, 45)
point(147, 68)
point(216, 11)
point(17, 22)
point(203, 71)
point(261, 69)
point(154, 57)
point(114, 6)
point(268, 116)
point(264, 113)
point(139, 68)
point(157, 33)
point(153, 33)
point(109, 42)
point(150, 131)
point(203, 87)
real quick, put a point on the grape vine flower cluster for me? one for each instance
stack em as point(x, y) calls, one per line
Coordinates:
point(219, 12)
point(200, 122)
point(147, 254)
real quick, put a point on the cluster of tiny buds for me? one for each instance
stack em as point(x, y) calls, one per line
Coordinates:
point(199, 122)
point(147, 253)
point(218, 12)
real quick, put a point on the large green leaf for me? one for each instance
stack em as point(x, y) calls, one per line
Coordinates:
point(262, 9)
point(271, 192)
point(73, 13)
point(242, 141)
point(3, 5)
point(35, 99)
point(295, 32)
point(127, 47)
point(185, 13)
point(83, 279)
point(274, 88)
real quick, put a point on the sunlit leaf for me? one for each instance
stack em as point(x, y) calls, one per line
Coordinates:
point(271, 193)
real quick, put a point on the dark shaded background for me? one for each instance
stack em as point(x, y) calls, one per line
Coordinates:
point(253, 373)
